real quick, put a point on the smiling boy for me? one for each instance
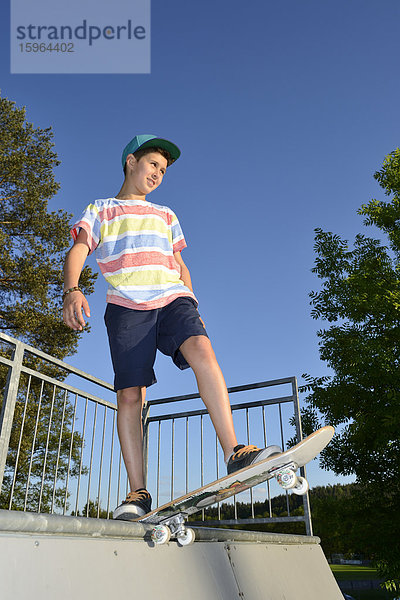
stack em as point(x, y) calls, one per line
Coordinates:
point(150, 306)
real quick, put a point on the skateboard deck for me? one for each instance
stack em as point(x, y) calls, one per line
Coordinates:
point(170, 518)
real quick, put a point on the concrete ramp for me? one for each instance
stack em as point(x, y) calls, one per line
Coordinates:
point(49, 557)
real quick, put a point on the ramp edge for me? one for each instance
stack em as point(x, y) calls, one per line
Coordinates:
point(14, 521)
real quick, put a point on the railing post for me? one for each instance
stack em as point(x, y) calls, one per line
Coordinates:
point(296, 405)
point(306, 498)
point(145, 414)
point(8, 406)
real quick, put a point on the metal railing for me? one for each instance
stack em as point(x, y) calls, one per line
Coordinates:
point(52, 449)
point(59, 451)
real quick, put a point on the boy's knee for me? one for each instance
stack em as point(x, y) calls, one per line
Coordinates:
point(198, 347)
point(129, 397)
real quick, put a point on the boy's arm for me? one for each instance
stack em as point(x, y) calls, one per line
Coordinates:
point(75, 301)
point(185, 275)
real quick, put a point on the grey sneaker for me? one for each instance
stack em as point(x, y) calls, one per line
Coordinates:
point(136, 505)
point(243, 456)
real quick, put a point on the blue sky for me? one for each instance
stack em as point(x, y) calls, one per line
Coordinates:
point(283, 112)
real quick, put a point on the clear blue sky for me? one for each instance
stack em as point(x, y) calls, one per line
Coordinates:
point(283, 112)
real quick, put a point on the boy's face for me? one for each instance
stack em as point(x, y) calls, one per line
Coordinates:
point(147, 173)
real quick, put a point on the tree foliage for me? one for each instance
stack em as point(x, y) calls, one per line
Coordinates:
point(33, 241)
point(360, 299)
point(43, 449)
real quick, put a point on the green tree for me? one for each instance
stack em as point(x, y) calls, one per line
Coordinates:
point(93, 511)
point(360, 299)
point(33, 241)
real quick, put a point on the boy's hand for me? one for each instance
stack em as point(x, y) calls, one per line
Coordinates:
point(72, 310)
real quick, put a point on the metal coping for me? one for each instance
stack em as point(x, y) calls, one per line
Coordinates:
point(19, 522)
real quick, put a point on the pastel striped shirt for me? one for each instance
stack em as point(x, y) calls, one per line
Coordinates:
point(135, 241)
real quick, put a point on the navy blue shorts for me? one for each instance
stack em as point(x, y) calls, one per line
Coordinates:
point(135, 336)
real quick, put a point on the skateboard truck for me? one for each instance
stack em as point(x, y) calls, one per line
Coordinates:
point(288, 480)
point(173, 527)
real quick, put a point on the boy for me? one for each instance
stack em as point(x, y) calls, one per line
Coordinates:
point(150, 306)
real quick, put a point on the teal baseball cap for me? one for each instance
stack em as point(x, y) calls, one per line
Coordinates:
point(147, 140)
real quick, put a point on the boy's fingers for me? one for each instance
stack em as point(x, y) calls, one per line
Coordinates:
point(86, 308)
point(72, 312)
point(73, 321)
point(79, 316)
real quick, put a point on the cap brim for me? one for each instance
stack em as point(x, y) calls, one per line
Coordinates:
point(166, 145)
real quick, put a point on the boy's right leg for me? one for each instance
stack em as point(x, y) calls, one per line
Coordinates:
point(132, 337)
point(130, 432)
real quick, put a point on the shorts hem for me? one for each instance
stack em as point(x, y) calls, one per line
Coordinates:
point(178, 358)
point(134, 379)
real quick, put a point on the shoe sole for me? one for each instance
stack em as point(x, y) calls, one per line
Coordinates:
point(270, 451)
point(128, 513)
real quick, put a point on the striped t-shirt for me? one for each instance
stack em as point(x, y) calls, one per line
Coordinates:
point(135, 242)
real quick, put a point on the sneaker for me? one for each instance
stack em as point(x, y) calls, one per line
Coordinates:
point(136, 505)
point(243, 456)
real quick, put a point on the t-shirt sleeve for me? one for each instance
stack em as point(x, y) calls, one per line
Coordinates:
point(90, 222)
point(178, 240)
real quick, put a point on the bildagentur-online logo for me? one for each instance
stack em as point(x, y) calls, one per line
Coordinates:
point(84, 31)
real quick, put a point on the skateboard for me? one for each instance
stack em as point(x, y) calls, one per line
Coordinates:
point(169, 520)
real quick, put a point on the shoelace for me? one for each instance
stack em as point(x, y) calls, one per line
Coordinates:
point(142, 495)
point(243, 451)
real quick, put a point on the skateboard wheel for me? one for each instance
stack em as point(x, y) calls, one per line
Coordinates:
point(286, 478)
point(186, 538)
point(161, 534)
point(301, 486)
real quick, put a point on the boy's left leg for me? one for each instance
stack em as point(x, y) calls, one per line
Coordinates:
point(199, 354)
point(181, 334)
